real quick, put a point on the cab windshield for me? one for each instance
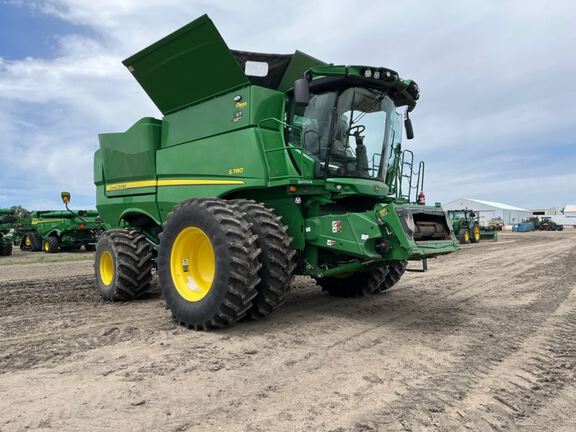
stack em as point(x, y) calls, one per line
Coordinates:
point(350, 133)
point(456, 215)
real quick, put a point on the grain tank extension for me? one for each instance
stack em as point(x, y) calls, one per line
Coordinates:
point(263, 166)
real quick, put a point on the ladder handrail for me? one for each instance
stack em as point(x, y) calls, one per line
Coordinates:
point(405, 179)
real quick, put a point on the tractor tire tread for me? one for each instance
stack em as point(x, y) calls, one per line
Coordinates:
point(462, 236)
point(5, 247)
point(243, 263)
point(360, 284)
point(134, 264)
point(52, 244)
point(277, 258)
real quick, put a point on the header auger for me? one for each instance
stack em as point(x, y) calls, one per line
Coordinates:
point(263, 166)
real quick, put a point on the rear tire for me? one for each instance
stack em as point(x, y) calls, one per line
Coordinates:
point(50, 244)
point(5, 247)
point(208, 264)
point(475, 233)
point(276, 258)
point(31, 241)
point(359, 284)
point(123, 265)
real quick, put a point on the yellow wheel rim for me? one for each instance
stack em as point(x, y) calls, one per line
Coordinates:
point(106, 268)
point(192, 264)
point(476, 233)
point(27, 241)
point(466, 235)
point(46, 246)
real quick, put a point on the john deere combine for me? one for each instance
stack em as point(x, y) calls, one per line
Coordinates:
point(54, 230)
point(263, 166)
point(7, 220)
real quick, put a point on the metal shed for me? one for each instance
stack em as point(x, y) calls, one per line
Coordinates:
point(489, 210)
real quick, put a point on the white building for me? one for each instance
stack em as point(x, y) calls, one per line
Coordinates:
point(568, 216)
point(545, 211)
point(490, 210)
point(570, 210)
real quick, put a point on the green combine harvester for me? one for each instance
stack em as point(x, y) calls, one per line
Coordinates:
point(263, 166)
point(55, 230)
point(7, 221)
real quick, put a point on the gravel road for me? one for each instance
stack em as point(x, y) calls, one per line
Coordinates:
point(486, 340)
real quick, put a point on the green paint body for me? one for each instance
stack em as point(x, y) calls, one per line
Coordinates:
point(228, 135)
point(461, 219)
point(7, 222)
point(72, 230)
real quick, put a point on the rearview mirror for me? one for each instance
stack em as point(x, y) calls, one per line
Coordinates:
point(301, 92)
point(408, 126)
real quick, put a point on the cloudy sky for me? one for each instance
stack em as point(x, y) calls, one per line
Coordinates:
point(496, 119)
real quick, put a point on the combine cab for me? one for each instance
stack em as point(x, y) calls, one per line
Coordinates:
point(263, 166)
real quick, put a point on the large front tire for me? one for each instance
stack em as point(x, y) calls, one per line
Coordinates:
point(208, 264)
point(276, 258)
point(464, 236)
point(364, 283)
point(123, 265)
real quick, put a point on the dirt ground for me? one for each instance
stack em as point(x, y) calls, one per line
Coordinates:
point(486, 340)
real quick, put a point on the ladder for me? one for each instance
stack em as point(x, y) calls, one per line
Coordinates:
point(410, 182)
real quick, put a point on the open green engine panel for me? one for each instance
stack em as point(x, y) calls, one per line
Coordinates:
point(224, 134)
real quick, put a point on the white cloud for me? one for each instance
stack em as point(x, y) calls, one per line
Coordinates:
point(495, 80)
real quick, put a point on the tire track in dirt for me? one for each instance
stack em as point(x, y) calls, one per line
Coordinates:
point(371, 338)
point(436, 402)
point(452, 341)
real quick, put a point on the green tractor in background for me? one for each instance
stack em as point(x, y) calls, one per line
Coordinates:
point(7, 221)
point(465, 225)
point(263, 166)
point(54, 230)
point(547, 224)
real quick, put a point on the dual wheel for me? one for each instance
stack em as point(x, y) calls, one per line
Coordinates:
point(218, 261)
point(469, 235)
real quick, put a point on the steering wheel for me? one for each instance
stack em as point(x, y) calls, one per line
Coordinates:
point(358, 130)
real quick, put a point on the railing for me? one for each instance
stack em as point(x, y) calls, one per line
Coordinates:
point(285, 148)
point(405, 181)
